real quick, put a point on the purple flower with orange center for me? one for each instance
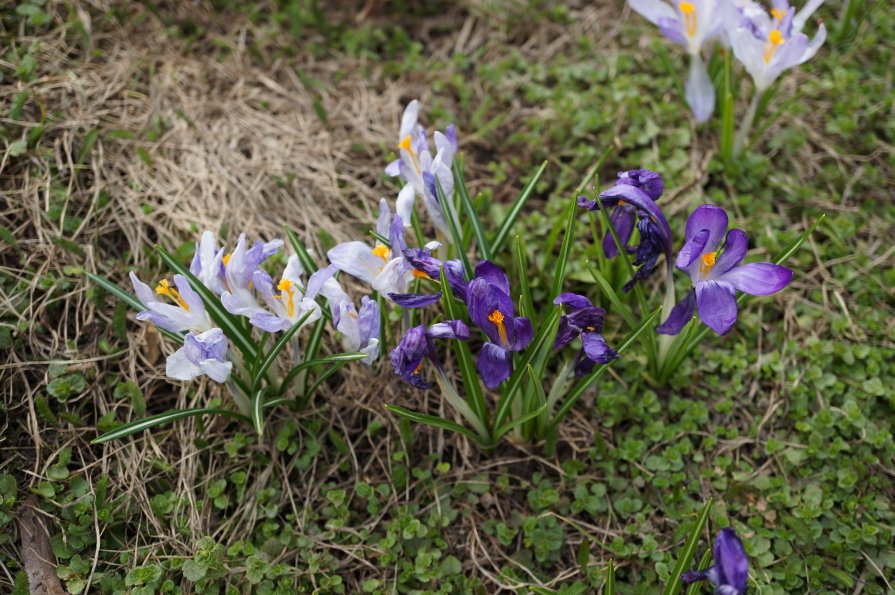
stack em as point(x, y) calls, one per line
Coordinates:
point(717, 274)
point(418, 346)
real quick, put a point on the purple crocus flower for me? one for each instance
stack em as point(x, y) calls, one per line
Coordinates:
point(289, 301)
point(634, 195)
point(417, 345)
point(730, 574)
point(717, 274)
point(426, 266)
point(585, 320)
point(491, 309)
point(201, 354)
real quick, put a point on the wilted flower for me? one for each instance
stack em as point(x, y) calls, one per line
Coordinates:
point(635, 193)
point(239, 270)
point(585, 320)
point(768, 44)
point(730, 574)
point(203, 353)
point(289, 301)
point(717, 273)
point(419, 169)
point(491, 309)
point(691, 24)
point(417, 345)
point(185, 313)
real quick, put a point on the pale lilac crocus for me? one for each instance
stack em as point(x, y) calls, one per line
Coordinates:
point(184, 310)
point(691, 24)
point(288, 302)
point(202, 354)
point(360, 329)
point(420, 169)
point(717, 274)
point(239, 270)
point(208, 263)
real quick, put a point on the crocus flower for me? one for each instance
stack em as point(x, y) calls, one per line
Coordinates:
point(289, 301)
point(491, 309)
point(202, 354)
point(730, 574)
point(717, 274)
point(360, 329)
point(186, 312)
point(419, 169)
point(208, 263)
point(239, 270)
point(383, 267)
point(635, 193)
point(691, 24)
point(585, 320)
point(417, 346)
point(769, 44)
point(426, 266)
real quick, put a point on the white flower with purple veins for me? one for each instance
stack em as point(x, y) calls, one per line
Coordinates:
point(185, 312)
point(419, 169)
point(239, 270)
point(289, 301)
point(201, 354)
point(383, 267)
point(208, 263)
point(360, 329)
point(691, 24)
point(769, 44)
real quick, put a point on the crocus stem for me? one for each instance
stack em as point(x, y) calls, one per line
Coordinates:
point(665, 341)
point(296, 359)
point(242, 402)
point(746, 127)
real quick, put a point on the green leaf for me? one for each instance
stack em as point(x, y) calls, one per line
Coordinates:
point(228, 323)
point(135, 427)
point(131, 301)
point(694, 588)
point(527, 305)
point(337, 358)
point(512, 387)
point(586, 382)
point(435, 422)
point(499, 432)
point(503, 234)
point(477, 229)
point(609, 589)
point(673, 587)
point(18, 148)
point(271, 356)
point(258, 412)
point(559, 274)
point(456, 237)
point(607, 290)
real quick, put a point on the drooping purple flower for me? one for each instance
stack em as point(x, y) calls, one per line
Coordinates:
point(585, 320)
point(201, 354)
point(426, 266)
point(491, 309)
point(730, 574)
point(417, 346)
point(717, 273)
point(633, 197)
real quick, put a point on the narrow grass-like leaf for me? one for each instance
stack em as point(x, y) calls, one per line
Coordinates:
point(140, 425)
point(231, 326)
point(694, 588)
point(469, 207)
point(499, 432)
point(593, 170)
point(309, 394)
point(673, 587)
point(131, 301)
point(258, 411)
point(474, 393)
point(540, 341)
point(435, 422)
point(527, 305)
point(274, 352)
point(329, 359)
point(304, 257)
point(609, 589)
point(559, 274)
point(312, 346)
point(607, 290)
point(586, 382)
point(456, 237)
point(503, 233)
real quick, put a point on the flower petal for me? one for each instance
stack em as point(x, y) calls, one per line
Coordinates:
point(522, 333)
point(414, 300)
point(622, 220)
point(143, 292)
point(710, 217)
point(385, 218)
point(572, 300)
point(717, 305)
point(653, 10)
point(596, 349)
point(493, 274)
point(451, 329)
point(565, 333)
point(735, 247)
point(758, 278)
point(493, 364)
point(731, 562)
point(699, 91)
point(179, 367)
point(680, 315)
point(216, 370)
point(404, 204)
point(692, 249)
point(356, 259)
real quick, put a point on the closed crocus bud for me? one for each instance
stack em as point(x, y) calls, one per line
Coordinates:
point(730, 574)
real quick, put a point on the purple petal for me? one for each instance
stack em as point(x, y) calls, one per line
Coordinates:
point(692, 250)
point(694, 576)
point(734, 251)
point(590, 205)
point(451, 329)
point(643, 203)
point(645, 179)
point(622, 220)
point(596, 349)
point(483, 300)
point(493, 274)
point(268, 322)
point(414, 300)
point(493, 364)
point(368, 320)
point(396, 236)
point(680, 315)
point(393, 169)
point(572, 300)
point(710, 217)
point(758, 278)
point(316, 281)
point(717, 305)
point(731, 562)
point(671, 28)
point(565, 334)
point(456, 276)
point(521, 334)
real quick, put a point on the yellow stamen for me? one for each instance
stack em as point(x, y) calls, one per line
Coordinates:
point(774, 39)
point(591, 328)
point(421, 275)
point(708, 261)
point(778, 13)
point(381, 250)
point(417, 370)
point(164, 288)
point(689, 10)
point(285, 286)
point(226, 258)
point(405, 144)
point(353, 315)
point(497, 318)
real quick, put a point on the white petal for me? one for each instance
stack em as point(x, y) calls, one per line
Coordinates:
point(653, 10)
point(372, 351)
point(699, 90)
point(179, 367)
point(357, 259)
point(385, 218)
point(404, 204)
point(144, 292)
point(394, 278)
point(798, 21)
point(408, 120)
point(216, 370)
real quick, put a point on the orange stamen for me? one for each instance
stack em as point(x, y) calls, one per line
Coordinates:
point(381, 250)
point(285, 286)
point(689, 10)
point(774, 39)
point(405, 144)
point(708, 261)
point(164, 288)
point(497, 318)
